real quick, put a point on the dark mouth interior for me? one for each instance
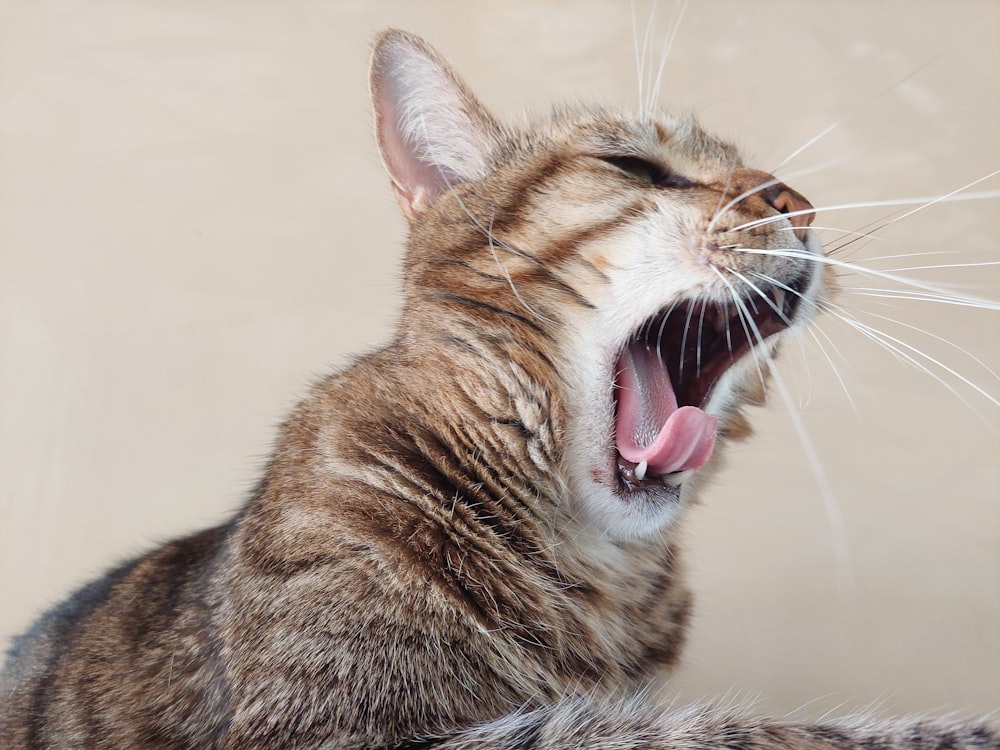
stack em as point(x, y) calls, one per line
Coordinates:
point(698, 340)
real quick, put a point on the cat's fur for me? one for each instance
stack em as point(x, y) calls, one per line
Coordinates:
point(447, 548)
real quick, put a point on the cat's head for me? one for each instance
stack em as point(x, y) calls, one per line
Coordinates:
point(650, 268)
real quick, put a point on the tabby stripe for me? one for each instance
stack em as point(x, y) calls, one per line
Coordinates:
point(567, 248)
point(489, 508)
point(431, 467)
point(510, 214)
point(500, 490)
point(492, 343)
point(479, 305)
point(465, 266)
point(552, 280)
point(601, 274)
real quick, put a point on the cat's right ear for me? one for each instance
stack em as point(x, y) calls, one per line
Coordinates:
point(432, 132)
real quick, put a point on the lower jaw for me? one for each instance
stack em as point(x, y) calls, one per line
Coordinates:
point(632, 477)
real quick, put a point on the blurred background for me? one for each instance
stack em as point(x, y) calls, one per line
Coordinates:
point(194, 225)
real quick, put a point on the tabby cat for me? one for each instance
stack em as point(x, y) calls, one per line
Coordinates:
point(468, 539)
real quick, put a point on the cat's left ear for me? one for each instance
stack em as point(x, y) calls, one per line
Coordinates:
point(432, 131)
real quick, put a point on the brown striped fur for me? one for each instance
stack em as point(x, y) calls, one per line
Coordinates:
point(439, 552)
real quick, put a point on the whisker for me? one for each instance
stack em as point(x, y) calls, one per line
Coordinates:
point(941, 266)
point(494, 242)
point(701, 329)
point(635, 48)
point(804, 300)
point(765, 185)
point(941, 294)
point(654, 92)
point(659, 334)
point(815, 139)
point(858, 234)
point(923, 202)
point(722, 194)
point(729, 333)
point(900, 294)
point(770, 279)
point(909, 255)
point(531, 311)
point(858, 108)
point(687, 327)
point(643, 57)
point(936, 337)
point(835, 518)
point(763, 296)
point(946, 197)
point(744, 317)
point(900, 349)
point(814, 332)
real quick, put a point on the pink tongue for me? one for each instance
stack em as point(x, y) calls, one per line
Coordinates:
point(649, 426)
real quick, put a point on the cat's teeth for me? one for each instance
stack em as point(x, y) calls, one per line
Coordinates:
point(640, 470)
point(677, 478)
point(779, 300)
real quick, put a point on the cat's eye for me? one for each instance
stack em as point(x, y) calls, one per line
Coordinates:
point(638, 168)
point(648, 172)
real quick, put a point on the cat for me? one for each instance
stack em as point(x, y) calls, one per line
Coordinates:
point(470, 538)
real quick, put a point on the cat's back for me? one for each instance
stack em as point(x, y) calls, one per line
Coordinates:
point(152, 613)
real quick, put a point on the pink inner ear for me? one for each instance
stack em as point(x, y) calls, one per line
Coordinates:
point(432, 132)
point(415, 179)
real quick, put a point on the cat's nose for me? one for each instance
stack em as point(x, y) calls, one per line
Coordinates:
point(776, 193)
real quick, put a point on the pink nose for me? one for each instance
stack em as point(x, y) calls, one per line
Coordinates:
point(777, 194)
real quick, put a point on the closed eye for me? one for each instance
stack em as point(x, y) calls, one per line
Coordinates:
point(648, 172)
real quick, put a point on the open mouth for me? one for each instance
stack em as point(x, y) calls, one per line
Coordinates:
point(665, 375)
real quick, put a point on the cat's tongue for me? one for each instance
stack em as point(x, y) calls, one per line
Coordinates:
point(649, 425)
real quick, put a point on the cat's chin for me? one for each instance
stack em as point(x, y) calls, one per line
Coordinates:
point(636, 510)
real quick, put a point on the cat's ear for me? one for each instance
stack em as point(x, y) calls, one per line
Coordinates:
point(431, 130)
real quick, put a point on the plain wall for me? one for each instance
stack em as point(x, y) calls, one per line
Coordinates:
point(194, 224)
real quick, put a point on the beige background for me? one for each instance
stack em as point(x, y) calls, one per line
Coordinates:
point(194, 224)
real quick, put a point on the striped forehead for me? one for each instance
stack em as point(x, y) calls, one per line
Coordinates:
point(603, 133)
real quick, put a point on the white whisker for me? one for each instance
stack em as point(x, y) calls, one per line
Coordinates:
point(946, 197)
point(495, 242)
point(644, 56)
point(939, 294)
point(531, 311)
point(909, 255)
point(912, 296)
point(848, 232)
point(923, 202)
point(942, 339)
point(701, 329)
point(815, 331)
point(687, 327)
point(742, 313)
point(654, 92)
point(940, 266)
point(765, 185)
point(834, 125)
point(819, 136)
point(901, 348)
point(835, 518)
point(762, 294)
